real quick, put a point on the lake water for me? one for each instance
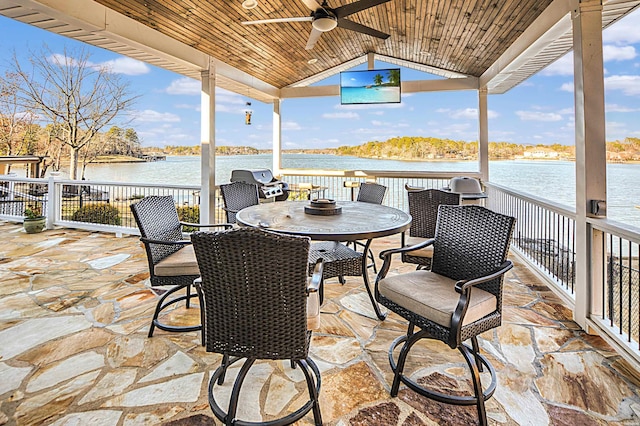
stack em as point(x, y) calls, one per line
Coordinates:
point(551, 180)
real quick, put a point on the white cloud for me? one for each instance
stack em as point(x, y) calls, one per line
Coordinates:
point(618, 53)
point(291, 125)
point(350, 115)
point(538, 116)
point(122, 65)
point(149, 115)
point(627, 84)
point(127, 66)
point(567, 87)
point(466, 113)
point(184, 86)
point(619, 108)
point(625, 31)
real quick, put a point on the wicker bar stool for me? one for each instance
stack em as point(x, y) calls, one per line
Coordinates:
point(423, 208)
point(458, 299)
point(256, 307)
point(172, 261)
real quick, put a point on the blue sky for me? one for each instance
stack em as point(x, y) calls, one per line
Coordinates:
point(539, 111)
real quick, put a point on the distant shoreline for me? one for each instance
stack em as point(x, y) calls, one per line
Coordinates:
point(114, 159)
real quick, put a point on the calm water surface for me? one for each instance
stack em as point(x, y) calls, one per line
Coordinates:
point(551, 180)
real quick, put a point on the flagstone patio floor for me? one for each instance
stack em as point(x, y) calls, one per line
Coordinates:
point(75, 308)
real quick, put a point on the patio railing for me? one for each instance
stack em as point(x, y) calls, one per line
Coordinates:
point(544, 237)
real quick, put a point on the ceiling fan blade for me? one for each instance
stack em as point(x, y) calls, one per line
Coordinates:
point(356, 6)
point(270, 21)
point(312, 4)
point(354, 26)
point(313, 37)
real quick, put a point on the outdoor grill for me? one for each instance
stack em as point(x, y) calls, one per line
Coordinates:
point(269, 187)
point(468, 188)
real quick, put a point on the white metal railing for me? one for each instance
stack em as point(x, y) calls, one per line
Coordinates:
point(615, 305)
point(544, 236)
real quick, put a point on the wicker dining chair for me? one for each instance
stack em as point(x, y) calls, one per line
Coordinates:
point(423, 208)
point(458, 299)
point(256, 308)
point(371, 192)
point(170, 255)
point(237, 196)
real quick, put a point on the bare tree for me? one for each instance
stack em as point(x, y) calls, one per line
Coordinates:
point(17, 131)
point(76, 95)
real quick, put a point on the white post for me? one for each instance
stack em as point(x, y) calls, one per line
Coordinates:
point(208, 145)
point(277, 137)
point(483, 136)
point(53, 200)
point(591, 166)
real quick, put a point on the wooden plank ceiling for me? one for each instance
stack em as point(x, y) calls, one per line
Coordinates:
point(455, 35)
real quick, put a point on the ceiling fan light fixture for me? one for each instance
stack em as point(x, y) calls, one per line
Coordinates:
point(325, 23)
point(250, 4)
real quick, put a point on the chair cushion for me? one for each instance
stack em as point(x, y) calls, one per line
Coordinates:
point(182, 262)
point(434, 297)
point(423, 252)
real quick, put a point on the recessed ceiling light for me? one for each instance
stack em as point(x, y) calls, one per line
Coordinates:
point(249, 4)
point(312, 61)
point(425, 53)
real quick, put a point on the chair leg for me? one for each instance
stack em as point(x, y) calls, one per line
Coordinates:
point(314, 390)
point(188, 296)
point(409, 340)
point(476, 353)
point(225, 363)
point(477, 384)
point(235, 393)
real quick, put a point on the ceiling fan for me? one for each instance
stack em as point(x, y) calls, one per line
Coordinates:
point(324, 18)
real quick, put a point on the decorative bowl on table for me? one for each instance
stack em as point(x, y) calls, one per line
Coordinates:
point(323, 207)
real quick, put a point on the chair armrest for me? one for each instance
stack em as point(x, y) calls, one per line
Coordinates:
point(387, 253)
point(204, 225)
point(412, 188)
point(316, 278)
point(463, 285)
point(165, 242)
point(230, 210)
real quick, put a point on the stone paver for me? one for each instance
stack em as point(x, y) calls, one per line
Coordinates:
point(75, 308)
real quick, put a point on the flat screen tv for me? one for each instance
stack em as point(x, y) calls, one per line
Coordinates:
point(370, 86)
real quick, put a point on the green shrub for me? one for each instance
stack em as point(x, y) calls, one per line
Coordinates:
point(98, 213)
point(189, 214)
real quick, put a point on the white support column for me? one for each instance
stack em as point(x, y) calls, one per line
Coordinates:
point(208, 145)
point(591, 166)
point(277, 137)
point(483, 134)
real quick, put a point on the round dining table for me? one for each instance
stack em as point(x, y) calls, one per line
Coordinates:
point(357, 221)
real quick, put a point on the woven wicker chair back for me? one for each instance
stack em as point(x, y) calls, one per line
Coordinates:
point(237, 196)
point(471, 241)
point(254, 285)
point(157, 219)
point(423, 208)
point(371, 193)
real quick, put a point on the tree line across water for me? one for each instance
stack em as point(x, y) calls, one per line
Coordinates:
point(430, 148)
